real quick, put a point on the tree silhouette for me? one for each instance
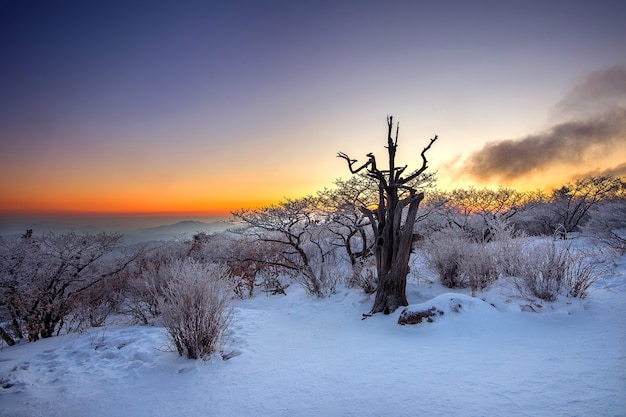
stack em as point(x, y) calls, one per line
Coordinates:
point(393, 229)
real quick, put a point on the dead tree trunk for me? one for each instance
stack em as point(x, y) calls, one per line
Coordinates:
point(392, 228)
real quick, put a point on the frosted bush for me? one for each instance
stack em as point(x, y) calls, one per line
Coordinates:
point(196, 306)
point(272, 281)
point(364, 276)
point(367, 280)
point(508, 255)
point(459, 261)
point(443, 251)
point(544, 287)
point(482, 263)
point(542, 270)
point(582, 272)
point(478, 266)
point(144, 285)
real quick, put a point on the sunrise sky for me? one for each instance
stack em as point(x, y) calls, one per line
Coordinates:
point(207, 107)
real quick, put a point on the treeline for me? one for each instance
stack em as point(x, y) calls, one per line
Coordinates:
point(51, 283)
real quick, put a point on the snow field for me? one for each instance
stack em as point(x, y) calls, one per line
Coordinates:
point(299, 356)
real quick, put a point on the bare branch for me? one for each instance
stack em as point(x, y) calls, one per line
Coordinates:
point(351, 162)
point(399, 172)
point(424, 166)
point(397, 131)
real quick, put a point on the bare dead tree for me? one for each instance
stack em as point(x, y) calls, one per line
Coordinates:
point(393, 229)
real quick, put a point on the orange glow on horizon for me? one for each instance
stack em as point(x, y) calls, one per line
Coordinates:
point(136, 209)
point(116, 213)
point(132, 202)
point(185, 202)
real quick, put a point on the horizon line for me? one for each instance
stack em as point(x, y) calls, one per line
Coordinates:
point(115, 213)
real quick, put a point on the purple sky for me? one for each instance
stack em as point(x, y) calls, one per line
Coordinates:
point(206, 106)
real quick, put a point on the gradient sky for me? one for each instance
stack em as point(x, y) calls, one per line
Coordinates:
point(206, 107)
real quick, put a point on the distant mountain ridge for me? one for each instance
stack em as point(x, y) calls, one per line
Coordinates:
point(182, 230)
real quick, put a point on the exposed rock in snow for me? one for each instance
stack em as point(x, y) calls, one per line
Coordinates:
point(444, 304)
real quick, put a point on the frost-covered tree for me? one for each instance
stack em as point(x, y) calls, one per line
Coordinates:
point(570, 205)
point(295, 226)
point(480, 213)
point(607, 224)
point(348, 226)
point(43, 278)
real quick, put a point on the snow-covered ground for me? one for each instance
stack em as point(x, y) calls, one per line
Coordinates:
point(298, 356)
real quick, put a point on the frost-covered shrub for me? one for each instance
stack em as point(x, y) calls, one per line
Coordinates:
point(478, 266)
point(542, 270)
point(545, 287)
point(443, 251)
point(460, 261)
point(145, 282)
point(547, 269)
point(583, 270)
point(196, 307)
point(94, 305)
point(330, 276)
point(506, 250)
point(272, 281)
point(482, 263)
point(364, 276)
point(508, 255)
point(319, 284)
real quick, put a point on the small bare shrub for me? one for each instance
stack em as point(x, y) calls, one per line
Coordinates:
point(244, 278)
point(544, 287)
point(508, 255)
point(196, 307)
point(478, 266)
point(364, 277)
point(272, 281)
point(543, 270)
point(94, 306)
point(583, 270)
point(310, 281)
point(145, 281)
point(444, 251)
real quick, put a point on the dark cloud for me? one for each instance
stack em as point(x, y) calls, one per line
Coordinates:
point(595, 126)
point(616, 171)
point(597, 91)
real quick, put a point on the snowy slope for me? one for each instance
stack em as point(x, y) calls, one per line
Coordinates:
point(298, 356)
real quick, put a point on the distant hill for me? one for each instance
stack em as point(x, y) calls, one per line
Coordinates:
point(181, 230)
point(131, 233)
point(8, 228)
